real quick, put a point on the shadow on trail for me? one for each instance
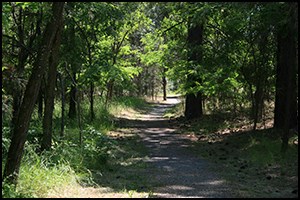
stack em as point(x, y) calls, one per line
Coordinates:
point(168, 169)
point(135, 123)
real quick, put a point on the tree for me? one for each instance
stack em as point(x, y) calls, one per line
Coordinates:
point(19, 135)
point(22, 30)
point(193, 100)
point(50, 89)
point(286, 90)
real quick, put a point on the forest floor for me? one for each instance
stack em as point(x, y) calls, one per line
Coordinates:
point(161, 158)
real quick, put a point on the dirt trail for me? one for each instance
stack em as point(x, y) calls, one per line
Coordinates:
point(178, 172)
point(173, 171)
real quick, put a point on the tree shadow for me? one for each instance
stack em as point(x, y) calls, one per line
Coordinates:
point(165, 166)
point(153, 156)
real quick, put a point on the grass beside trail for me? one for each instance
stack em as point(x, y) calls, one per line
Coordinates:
point(249, 160)
point(97, 168)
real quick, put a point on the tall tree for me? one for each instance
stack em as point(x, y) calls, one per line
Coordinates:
point(193, 101)
point(23, 32)
point(286, 90)
point(19, 135)
point(50, 89)
point(74, 68)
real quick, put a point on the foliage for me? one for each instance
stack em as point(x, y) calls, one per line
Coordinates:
point(121, 41)
point(96, 148)
point(130, 102)
point(9, 191)
point(40, 173)
point(124, 49)
point(66, 163)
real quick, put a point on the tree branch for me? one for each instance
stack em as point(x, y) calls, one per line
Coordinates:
point(172, 27)
point(218, 29)
point(117, 50)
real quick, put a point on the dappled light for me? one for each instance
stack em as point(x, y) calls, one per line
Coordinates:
point(169, 155)
point(149, 99)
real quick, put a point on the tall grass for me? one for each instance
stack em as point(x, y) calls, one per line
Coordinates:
point(67, 164)
point(38, 174)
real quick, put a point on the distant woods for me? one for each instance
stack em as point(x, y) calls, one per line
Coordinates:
point(238, 57)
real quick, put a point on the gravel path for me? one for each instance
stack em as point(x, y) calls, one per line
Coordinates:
point(180, 174)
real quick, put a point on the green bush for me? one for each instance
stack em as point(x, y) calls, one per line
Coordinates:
point(9, 191)
point(96, 146)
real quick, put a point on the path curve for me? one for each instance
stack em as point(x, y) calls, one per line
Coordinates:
point(180, 174)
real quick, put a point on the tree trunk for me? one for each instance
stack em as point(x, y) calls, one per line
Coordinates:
point(49, 92)
point(16, 148)
point(109, 94)
point(152, 87)
point(17, 98)
point(193, 107)
point(164, 83)
point(92, 113)
point(23, 54)
point(258, 105)
point(72, 107)
point(261, 68)
point(79, 117)
point(62, 124)
point(286, 87)
point(40, 103)
point(139, 84)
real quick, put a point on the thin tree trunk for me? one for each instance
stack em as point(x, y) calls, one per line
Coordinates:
point(110, 86)
point(62, 124)
point(164, 83)
point(72, 103)
point(79, 118)
point(19, 136)
point(258, 100)
point(252, 113)
point(152, 88)
point(92, 113)
point(49, 92)
point(22, 57)
point(261, 77)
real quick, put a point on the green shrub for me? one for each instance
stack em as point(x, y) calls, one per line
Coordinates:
point(96, 146)
point(9, 191)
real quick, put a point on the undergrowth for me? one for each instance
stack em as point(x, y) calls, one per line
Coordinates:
point(67, 163)
point(250, 160)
